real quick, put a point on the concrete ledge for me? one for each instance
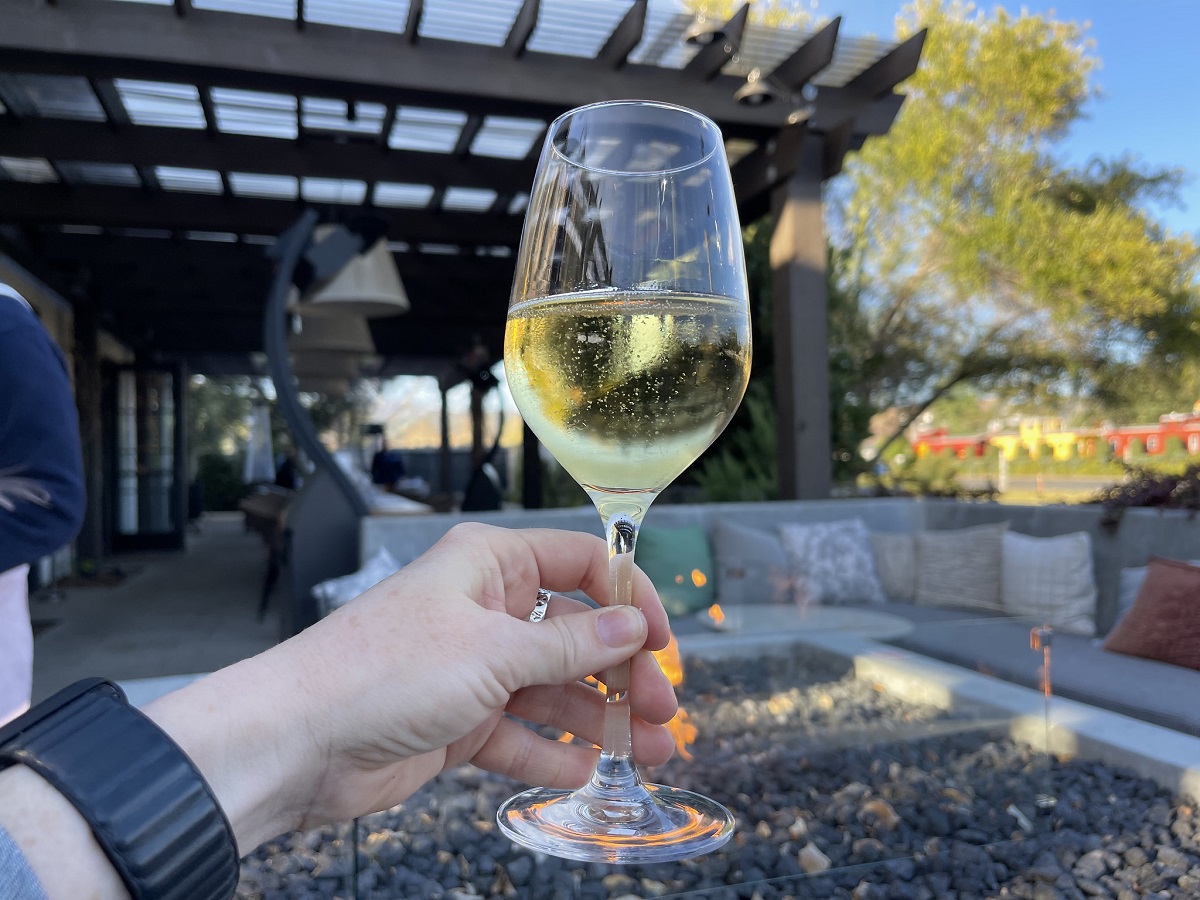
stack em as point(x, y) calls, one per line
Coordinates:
point(1168, 757)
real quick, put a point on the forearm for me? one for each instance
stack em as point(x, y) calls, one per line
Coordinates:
point(49, 832)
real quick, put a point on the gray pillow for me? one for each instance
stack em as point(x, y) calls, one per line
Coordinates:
point(751, 567)
point(961, 567)
point(896, 563)
point(832, 562)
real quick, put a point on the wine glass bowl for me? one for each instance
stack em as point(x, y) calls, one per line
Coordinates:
point(627, 350)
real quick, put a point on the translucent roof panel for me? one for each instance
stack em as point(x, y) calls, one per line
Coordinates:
point(161, 103)
point(518, 203)
point(276, 9)
point(282, 187)
point(322, 114)
point(412, 196)
point(662, 41)
point(507, 137)
point(112, 174)
point(576, 27)
point(737, 148)
point(432, 130)
point(195, 181)
point(153, 2)
point(81, 229)
point(440, 249)
point(34, 170)
point(255, 112)
point(333, 190)
point(850, 57)
point(489, 21)
point(60, 96)
point(375, 15)
point(468, 199)
point(222, 237)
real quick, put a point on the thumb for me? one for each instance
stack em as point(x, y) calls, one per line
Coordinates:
point(571, 647)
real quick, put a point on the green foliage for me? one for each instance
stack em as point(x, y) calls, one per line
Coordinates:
point(745, 467)
point(221, 477)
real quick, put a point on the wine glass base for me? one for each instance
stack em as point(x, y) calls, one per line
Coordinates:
point(660, 824)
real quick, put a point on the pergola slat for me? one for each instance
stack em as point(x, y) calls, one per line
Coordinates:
point(810, 58)
point(708, 62)
point(625, 37)
point(356, 158)
point(523, 26)
point(117, 207)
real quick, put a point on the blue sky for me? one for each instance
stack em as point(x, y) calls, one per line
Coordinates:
point(1147, 73)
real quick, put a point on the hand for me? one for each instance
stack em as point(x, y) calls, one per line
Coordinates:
point(414, 677)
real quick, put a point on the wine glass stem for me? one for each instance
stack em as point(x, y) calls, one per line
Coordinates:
point(621, 530)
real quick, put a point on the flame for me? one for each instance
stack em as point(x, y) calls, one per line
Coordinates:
point(699, 579)
point(716, 614)
point(680, 727)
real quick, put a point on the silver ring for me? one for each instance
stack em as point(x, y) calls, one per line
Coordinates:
point(540, 605)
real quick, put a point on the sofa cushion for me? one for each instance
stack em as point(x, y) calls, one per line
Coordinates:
point(680, 563)
point(1050, 579)
point(1164, 623)
point(831, 562)
point(961, 567)
point(750, 565)
point(1080, 669)
point(896, 563)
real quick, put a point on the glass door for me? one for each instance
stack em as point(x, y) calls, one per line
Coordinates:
point(146, 491)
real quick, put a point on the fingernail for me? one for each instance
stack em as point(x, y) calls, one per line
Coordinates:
point(620, 626)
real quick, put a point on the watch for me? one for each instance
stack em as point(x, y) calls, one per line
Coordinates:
point(147, 804)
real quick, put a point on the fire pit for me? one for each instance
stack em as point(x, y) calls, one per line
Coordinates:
point(840, 790)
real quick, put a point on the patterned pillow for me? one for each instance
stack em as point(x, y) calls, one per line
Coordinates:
point(896, 563)
point(831, 562)
point(751, 566)
point(1051, 578)
point(961, 567)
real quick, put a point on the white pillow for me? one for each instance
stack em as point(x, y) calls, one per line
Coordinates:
point(832, 562)
point(338, 592)
point(1051, 579)
point(960, 567)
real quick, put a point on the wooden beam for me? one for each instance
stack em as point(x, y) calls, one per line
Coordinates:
point(625, 37)
point(118, 119)
point(522, 27)
point(800, 307)
point(712, 57)
point(116, 207)
point(467, 135)
point(257, 53)
point(888, 71)
point(318, 156)
point(412, 27)
point(810, 58)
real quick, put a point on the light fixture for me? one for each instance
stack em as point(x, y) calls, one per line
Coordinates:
point(343, 334)
point(368, 285)
point(325, 364)
point(756, 91)
point(703, 31)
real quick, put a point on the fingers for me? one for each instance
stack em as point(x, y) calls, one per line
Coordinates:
point(516, 751)
point(579, 709)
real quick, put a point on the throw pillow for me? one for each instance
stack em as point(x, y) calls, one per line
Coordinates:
point(961, 567)
point(896, 564)
point(680, 563)
point(1129, 585)
point(831, 562)
point(751, 566)
point(1164, 623)
point(1050, 579)
point(337, 592)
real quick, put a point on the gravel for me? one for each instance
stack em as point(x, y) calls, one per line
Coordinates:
point(840, 790)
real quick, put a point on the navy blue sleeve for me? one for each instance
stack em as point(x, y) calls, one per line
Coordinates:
point(39, 439)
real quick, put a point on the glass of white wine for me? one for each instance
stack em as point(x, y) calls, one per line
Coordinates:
point(627, 351)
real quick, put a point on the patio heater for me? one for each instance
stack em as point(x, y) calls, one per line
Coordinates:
point(343, 274)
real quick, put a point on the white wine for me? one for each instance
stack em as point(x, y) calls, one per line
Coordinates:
point(627, 389)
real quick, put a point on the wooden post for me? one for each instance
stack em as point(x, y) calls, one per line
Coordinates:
point(90, 545)
point(800, 301)
point(444, 486)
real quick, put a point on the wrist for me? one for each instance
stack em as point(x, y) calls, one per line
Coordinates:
point(246, 728)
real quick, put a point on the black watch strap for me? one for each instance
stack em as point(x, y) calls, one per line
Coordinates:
point(149, 807)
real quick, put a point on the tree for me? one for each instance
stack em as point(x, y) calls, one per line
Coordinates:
point(977, 257)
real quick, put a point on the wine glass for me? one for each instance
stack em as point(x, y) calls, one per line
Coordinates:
point(627, 351)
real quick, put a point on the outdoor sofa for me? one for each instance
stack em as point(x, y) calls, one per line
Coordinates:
point(744, 567)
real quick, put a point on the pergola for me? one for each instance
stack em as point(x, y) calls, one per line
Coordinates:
point(149, 151)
